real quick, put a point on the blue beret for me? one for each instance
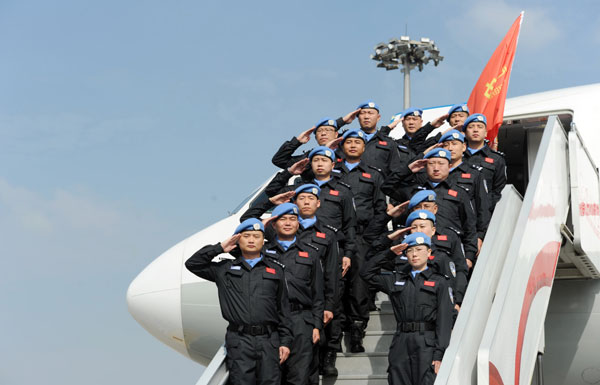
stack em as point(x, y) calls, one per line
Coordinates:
point(326, 122)
point(309, 188)
point(475, 118)
point(412, 111)
point(416, 239)
point(354, 133)
point(421, 196)
point(420, 214)
point(452, 135)
point(285, 208)
point(322, 150)
point(368, 104)
point(250, 224)
point(438, 153)
point(458, 108)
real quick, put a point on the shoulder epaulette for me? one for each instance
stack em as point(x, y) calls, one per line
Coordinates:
point(311, 245)
point(498, 152)
point(476, 167)
point(332, 228)
point(376, 168)
point(345, 184)
point(455, 230)
point(336, 170)
point(463, 187)
point(277, 262)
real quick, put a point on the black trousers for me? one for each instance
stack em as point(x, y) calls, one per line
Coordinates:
point(356, 293)
point(410, 359)
point(253, 360)
point(297, 368)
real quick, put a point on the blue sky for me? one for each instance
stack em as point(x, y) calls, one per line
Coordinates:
point(127, 126)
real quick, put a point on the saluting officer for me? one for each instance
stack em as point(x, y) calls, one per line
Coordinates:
point(468, 177)
point(415, 139)
point(323, 238)
point(304, 276)
point(493, 166)
point(423, 307)
point(326, 131)
point(337, 208)
point(254, 300)
point(457, 114)
point(381, 151)
point(454, 206)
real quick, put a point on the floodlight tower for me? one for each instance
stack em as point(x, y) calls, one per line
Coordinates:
point(408, 54)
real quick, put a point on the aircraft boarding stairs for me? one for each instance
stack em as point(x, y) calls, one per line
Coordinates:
point(500, 328)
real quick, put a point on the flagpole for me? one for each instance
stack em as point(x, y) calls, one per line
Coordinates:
point(406, 85)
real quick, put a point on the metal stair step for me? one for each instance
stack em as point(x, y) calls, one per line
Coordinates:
point(374, 341)
point(382, 320)
point(371, 379)
point(362, 363)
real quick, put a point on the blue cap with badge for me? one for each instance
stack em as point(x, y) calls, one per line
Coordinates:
point(309, 188)
point(285, 208)
point(354, 133)
point(458, 108)
point(475, 118)
point(452, 135)
point(416, 239)
point(420, 214)
point(438, 153)
point(412, 112)
point(250, 224)
point(326, 122)
point(322, 150)
point(368, 104)
point(421, 196)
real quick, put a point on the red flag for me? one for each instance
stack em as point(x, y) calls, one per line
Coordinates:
point(489, 94)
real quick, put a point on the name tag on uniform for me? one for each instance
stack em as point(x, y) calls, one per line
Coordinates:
point(404, 258)
point(400, 283)
point(235, 267)
point(271, 251)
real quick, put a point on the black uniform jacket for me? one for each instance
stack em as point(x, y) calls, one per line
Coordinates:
point(248, 296)
point(304, 276)
point(493, 168)
point(424, 298)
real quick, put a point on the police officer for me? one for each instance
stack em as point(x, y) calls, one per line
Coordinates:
point(337, 208)
point(457, 115)
point(326, 131)
point(304, 277)
point(415, 135)
point(365, 182)
point(323, 238)
point(423, 307)
point(254, 300)
point(381, 151)
point(454, 206)
point(469, 179)
point(493, 166)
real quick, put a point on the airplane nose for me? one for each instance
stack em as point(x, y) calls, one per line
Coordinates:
point(154, 299)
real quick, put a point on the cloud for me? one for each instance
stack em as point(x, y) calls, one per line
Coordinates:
point(489, 21)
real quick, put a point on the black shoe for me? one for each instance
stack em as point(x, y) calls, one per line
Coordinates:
point(329, 369)
point(356, 338)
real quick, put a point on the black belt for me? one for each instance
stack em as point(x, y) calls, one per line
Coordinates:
point(253, 330)
point(295, 306)
point(410, 327)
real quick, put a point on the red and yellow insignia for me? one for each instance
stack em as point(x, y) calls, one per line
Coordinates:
point(442, 237)
point(270, 270)
point(383, 142)
point(334, 192)
point(429, 283)
point(452, 193)
point(489, 160)
point(320, 235)
point(303, 254)
point(466, 176)
point(366, 175)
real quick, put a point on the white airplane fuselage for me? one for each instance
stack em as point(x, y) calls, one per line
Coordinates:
point(182, 310)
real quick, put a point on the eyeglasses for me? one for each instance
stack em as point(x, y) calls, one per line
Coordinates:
point(325, 129)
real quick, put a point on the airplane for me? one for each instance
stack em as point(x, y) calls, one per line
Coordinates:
point(531, 314)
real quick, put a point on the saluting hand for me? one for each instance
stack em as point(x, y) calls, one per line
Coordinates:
point(299, 167)
point(282, 198)
point(267, 221)
point(437, 122)
point(351, 116)
point(457, 127)
point(437, 145)
point(333, 144)
point(230, 243)
point(396, 211)
point(284, 353)
point(395, 123)
point(304, 136)
point(396, 234)
point(417, 165)
point(399, 249)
